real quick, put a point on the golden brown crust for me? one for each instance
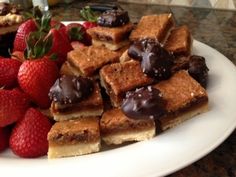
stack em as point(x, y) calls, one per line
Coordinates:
point(114, 121)
point(179, 41)
point(180, 91)
point(172, 119)
point(84, 130)
point(112, 35)
point(89, 59)
point(119, 78)
point(153, 27)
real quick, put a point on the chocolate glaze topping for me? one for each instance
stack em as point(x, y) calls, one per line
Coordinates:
point(113, 18)
point(146, 102)
point(156, 62)
point(135, 51)
point(70, 89)
point(198, 69)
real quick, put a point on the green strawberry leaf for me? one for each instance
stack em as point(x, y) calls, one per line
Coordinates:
point(88, 15)
point(75, 33)
point(45, 22)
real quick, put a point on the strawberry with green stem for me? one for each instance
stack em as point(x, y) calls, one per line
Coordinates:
point(38, 73)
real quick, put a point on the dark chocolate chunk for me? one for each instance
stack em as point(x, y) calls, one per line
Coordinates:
point(70, 89)
point(113, 18)
point(198, 69)
point(146, 102)
point(4, 8)
point(156, 62)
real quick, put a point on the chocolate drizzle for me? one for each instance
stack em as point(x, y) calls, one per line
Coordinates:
point(144, 103)
point(198, 69)
point(70, 89)
point(156, 62)
point(113, 18)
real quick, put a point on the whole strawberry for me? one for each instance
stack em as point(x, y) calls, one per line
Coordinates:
point(29, 137)
point(22, 33)
point(8, 72)
point(13, 104)
point(4, 137)
point(35, 77)
point(60, 46)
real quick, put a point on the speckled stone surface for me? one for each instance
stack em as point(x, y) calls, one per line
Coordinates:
point(216, 28)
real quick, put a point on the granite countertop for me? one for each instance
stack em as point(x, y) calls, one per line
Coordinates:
point(216, 28)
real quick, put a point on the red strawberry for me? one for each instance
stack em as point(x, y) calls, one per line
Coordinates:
point(60, 45)
point(88, 24)
point(36, 77)
point(4, 138)
point(29, 136)
point(13, 104)
point(22, 32)
point(8, 72)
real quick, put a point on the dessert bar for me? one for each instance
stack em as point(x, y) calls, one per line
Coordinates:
point(116, 128)
point(112, 38)
point(179, 41)
point(113, 30)
point(154, 27)
point(91, 106)
point(119, 78)
point(88, 60)
point(185, 98)
point(74, 137)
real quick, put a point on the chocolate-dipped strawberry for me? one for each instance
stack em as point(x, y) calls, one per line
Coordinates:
point(70, 89)
point(146, 102)
point(113, 18)
point(198, 69)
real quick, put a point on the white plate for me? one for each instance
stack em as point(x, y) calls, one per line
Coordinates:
point(164, 154)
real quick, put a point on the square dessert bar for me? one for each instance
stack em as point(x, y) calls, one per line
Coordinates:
point(91, 106)
point(185, 98)
point(118, 78)
point(74, 137)
point(113, 38)
point(88, 60)
point(153, 27)
point(179, 41)
point(116, 128)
